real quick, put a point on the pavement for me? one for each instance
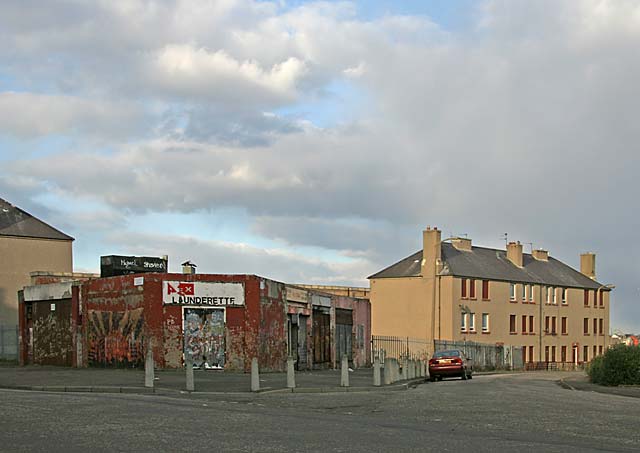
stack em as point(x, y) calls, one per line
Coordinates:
point(581, 382)
point(106, 380)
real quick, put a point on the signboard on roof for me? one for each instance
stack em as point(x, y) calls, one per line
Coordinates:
point(212, 294)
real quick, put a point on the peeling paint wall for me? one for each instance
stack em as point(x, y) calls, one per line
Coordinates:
point(114, 319)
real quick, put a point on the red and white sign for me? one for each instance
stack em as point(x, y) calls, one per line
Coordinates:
point(203, 294)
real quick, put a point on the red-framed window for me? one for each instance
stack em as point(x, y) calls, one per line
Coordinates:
point(485, 289)
point(512, 324)
point(601, 322)
point(530, 353)
point(595, 326)
point(531, 325)
point(585, 326)
point(463, 288)
point(601, 299)
point(472, 289)
point(553, 325)
point(546, 324)
point(553, 353)
point(524, 324)
point(563, 354)
point(586, 297)
point(564, 325)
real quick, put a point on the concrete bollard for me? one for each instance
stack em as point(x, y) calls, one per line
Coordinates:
point(189, 370)
point(149, 374)
point(291, 374)
point(376, 372)
point(395, 377)
point(344, 375)
point(388, 372)
point(255, 375)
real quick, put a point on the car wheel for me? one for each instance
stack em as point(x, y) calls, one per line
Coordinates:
point(464, 375)
point(432, 378)
point(470, 376)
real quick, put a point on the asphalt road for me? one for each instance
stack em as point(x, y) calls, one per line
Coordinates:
point(523, 412)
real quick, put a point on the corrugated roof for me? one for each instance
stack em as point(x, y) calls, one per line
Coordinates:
point(492, 264)
point(18, 223)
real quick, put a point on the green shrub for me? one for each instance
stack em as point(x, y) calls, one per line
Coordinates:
point(619, 365)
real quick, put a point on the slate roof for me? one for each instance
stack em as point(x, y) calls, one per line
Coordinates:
point(492, 264)
point(18, 223)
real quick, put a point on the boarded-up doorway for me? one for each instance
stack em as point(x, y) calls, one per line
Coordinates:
point(204, 337)
point(344, 332)
point(321, 337)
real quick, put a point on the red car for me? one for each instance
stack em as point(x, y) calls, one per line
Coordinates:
point(450, 363)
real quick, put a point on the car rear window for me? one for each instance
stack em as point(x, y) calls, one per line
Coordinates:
point(446, 354)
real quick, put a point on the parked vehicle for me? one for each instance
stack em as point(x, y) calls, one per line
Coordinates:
point(450, 363)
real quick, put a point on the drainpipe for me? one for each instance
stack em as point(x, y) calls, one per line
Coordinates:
point(540, 329)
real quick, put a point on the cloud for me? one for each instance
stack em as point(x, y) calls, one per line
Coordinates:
point(185, 70)
point(522, 122)
point(218, 257)
point(30, 115)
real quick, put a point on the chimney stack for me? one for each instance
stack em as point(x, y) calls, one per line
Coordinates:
point(588, 265)
point(431, 251)
point(462, 244)
point(514, 253)
point(540, 255)
point(188, 268)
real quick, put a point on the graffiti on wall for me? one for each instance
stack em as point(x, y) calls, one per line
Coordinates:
point(52, 345)
point(204, 337)
point(115, 338)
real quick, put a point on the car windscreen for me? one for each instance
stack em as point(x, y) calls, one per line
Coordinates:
point(453, 353)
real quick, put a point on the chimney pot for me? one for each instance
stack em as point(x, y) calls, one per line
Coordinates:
point(514, 253)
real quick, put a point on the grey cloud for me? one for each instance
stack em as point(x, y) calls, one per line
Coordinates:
point(28, 115)
point(226, 258)
point(525, 124)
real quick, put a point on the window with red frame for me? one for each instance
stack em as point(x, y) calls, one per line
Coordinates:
point(586, 297)
point(601, 326)
point(602, 298)
point(463, 288)
point(530, 353)
point(586, 326)
point(564, 325)
point(524, 324)
point(553, 353)
point(546, 353)
point(472, 289)
point(531, 329)
point(485, 289)
point(512, 324)
point(563, 354)
point(553, 325)
point(546, 324)
point(595, 326)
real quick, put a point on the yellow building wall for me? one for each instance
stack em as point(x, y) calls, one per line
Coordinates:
point(400, 307)
point(21, 256)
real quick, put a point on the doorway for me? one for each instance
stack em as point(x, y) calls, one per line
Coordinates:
point(204, 337)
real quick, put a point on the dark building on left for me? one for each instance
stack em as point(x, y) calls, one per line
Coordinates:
point(27, 244)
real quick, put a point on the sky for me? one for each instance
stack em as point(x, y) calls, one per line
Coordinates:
point(312, 142)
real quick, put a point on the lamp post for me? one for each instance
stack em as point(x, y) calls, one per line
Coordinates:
point(608, 286)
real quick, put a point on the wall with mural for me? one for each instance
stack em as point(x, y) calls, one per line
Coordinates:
point(115, 339)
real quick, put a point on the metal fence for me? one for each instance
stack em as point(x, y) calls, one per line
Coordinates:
point(486, 356)
point(401, 348)
point(8, 342)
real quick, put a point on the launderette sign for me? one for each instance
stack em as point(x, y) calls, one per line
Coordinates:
point(203, 294)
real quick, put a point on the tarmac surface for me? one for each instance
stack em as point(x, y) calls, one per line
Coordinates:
point(500, 412)
point(215, 381)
